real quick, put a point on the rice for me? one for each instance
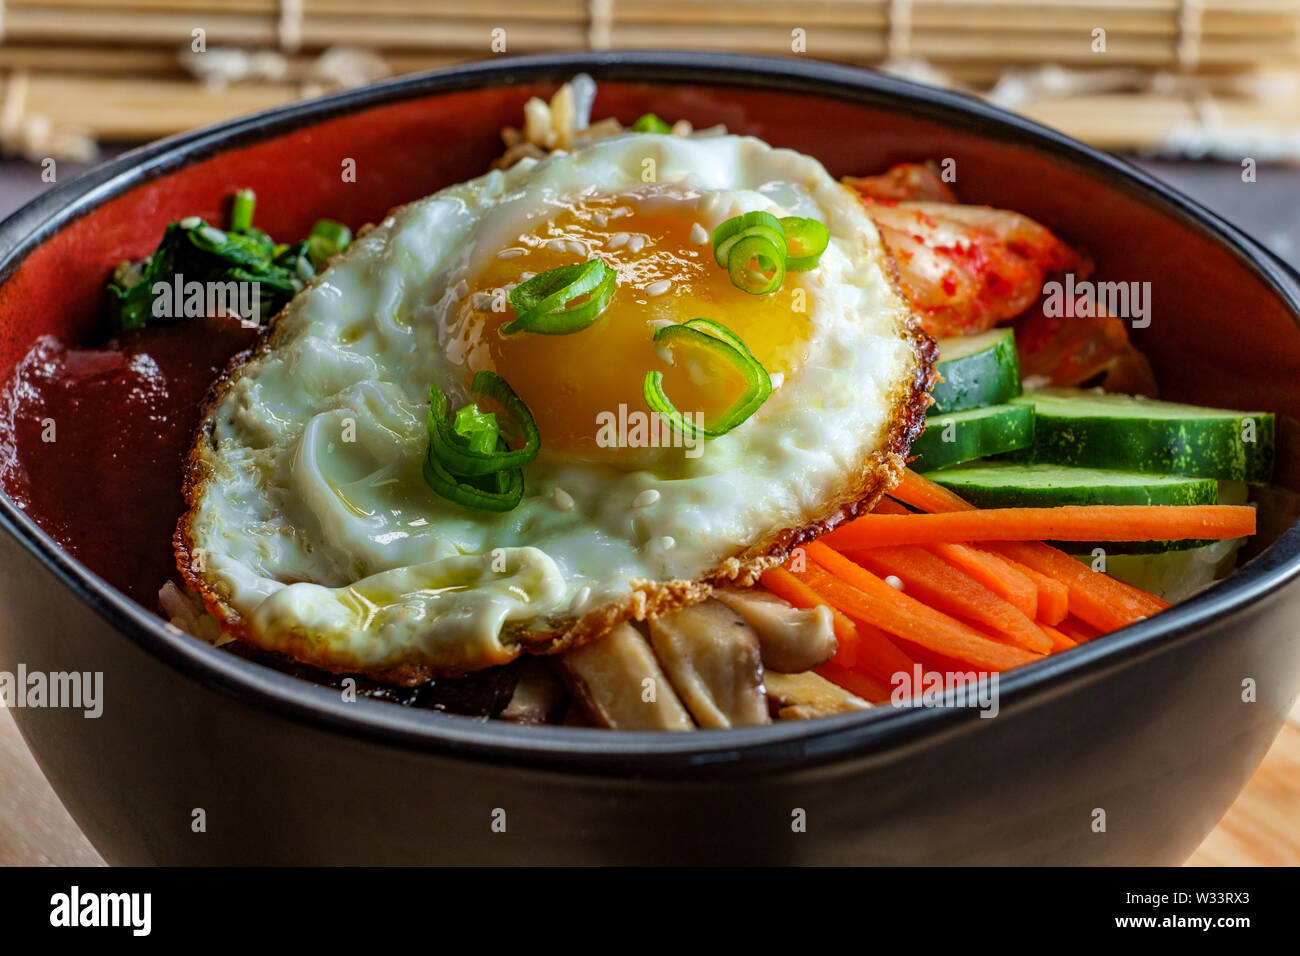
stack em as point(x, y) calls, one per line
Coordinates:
point(564, 123)
point(184, 609)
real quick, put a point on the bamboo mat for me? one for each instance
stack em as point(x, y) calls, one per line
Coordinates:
point(1259, 830)
point(1168, 75)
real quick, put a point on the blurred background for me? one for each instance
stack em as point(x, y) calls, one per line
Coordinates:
point(1203, 93)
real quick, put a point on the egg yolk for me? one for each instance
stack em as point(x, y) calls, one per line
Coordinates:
point(664, 276)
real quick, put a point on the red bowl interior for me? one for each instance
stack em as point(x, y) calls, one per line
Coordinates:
point(1218, 335)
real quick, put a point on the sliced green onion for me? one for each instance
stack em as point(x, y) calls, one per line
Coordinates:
point(241, 210)
point(651, 124)
point(326, 240)
point(462, 455)
point(477, 427)
point(720, 331)
point(806, 240)
point(468, 462)
point(723, 343)
point(728, 233)
point(455, 489)
point(542, 304)
point(756, 265)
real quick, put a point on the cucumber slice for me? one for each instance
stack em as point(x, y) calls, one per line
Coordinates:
point(1007, 485)
point(962, 436)
point(1173, 575)
point(1001, 484)
point(1094, 429)
point(978, 370)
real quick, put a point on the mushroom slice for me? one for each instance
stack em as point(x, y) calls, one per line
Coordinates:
point(612, 678)
point(792, 639)
point(539, 696)
point(808, 695)
point(713, 659)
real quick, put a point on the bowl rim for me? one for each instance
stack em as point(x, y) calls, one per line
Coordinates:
point(787, 746)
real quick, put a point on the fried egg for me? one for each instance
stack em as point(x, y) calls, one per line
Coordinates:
point(312, 532)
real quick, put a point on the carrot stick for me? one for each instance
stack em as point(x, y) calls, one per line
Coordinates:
point(1089, 592)
point(864, 685)
point(928, 495)
point(863, 646)
point(859, 593)
point(1064, 523)
point(1077, 631)
point(941, 586)
point(1053, 596)
point(929, 660)
point(877, 654)
point(1095, 598)
point(1059, 641)
point(995, 573)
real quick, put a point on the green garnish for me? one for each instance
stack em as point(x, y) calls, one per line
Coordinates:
point(806, 240)
point(241, 210)
point(203, 253)
point(757, 249)
point(326, 240)
point(725, 344)
point(649, 123)
point(468, 461)
point(750, 224)
point(505, 494)
point(756, 265)
point(477, 427)
point(545, 303)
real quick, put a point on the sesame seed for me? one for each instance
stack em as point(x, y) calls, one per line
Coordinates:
point(658, 287)
point(618, 240)
point(212, 234)
point(668, 541)
point(894, 581)
point(511, 253)
point(778, 379)
point(577, 248)
point(557, 245)
point(646, 498)
point(600, 218)
point(658, 324)
point(481, 301)
point(699, 235)
point(190, 222)
point(563, 500)
point(635, 243)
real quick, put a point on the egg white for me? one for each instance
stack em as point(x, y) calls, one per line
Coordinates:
point(311, 530)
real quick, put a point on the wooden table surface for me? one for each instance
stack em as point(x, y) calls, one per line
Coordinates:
point(1262, 827)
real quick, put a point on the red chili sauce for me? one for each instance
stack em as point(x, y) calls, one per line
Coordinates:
point(93, 442)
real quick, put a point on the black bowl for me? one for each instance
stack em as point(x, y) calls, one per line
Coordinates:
point(1148, 724)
